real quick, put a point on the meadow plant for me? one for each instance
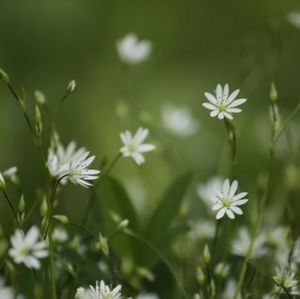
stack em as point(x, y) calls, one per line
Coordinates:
point(176, 252)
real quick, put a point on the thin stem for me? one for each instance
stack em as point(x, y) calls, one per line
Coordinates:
point(157, 252)
point(230, 129)
point(12, 208)
point(287, 292)
point(287, 121)
point(19, 100)
point(49, 231)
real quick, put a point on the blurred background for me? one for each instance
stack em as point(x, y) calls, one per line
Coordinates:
point(196, 45)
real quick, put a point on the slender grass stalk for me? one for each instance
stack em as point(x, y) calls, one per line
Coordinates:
point(274, 138)
point(161, 256)
point(12, 208)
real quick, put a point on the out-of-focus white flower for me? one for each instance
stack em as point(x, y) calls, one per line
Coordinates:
point(77, 244)
point(285, 279)
point(222, 269)
point(100, 291)
point(132, 51)
point(11, 174)
point(147, 296)
point(179, 120)
point(222, 104)
point(242, 243)
point(27, 249)
point(203, 229)
point(6, 292)
point(230, 289)
point(60, 235)
point(208, 191)
point(277, 237)
point(71, 164)
point(293, 18)
point(134, 146)
point(227, 201)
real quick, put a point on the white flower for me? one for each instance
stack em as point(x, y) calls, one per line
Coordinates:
point(227, 202)
point(147, 296)
point(11, 173)
point(6, 292)
point(27, 249)
point(202, 229)
point(294, 18)
point(222, 104)
point(208, 191)
point(132, 51)
point(240, 246)
point(179, 120)
point(100, 291)
point(71, 164)
point(60, 235)
point(59, 157)
point(134, 146)
point(285, 278)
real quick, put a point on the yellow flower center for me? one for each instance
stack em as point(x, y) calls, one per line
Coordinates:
point(222, 107)
point(132, 148)
point(226, 202)
point(24, 251)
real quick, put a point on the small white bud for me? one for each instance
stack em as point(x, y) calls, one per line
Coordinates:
point(71, 86)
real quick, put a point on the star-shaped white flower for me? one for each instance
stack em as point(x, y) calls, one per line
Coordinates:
point(227, 201)
point(100, 291)
point(132, 51)
point(72, 164)
point(27, 249)
point(223, 104)
point(134, 146)
point(179, 120)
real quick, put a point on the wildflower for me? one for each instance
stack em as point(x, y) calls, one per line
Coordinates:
point(11, 174)
point(100, 291)
point(2, 182)
point(203, 229)
point(179, 121)
point(60, 235)
point(208, 191)
point(226, 201)
point(147, 296)
point(241, 245)
point(71, 86)
point(285, 279)
point(222, 104)
point(27, 249)
point(5, 292)
point(293, 18)
point(71, 164)
point(134, 146)
point(132, 51)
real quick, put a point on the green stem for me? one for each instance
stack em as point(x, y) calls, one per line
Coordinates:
point(287, 121)
point(160, 255)
point(12, 208)
point(49, 231)
point(230, 129)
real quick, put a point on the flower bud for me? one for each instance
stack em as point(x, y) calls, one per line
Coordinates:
point(273, 93)
point(38, 120)
point(102, 245)
point(22, 204)
point(206, 255)
point(44, 207)
point(62, 218)
point(40, 97)
point(4, 76)
point(71, 86)
point(200, 276)
point(2, 182)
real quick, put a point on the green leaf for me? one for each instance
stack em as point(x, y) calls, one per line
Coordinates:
point(112, 197)
point(167, 209)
